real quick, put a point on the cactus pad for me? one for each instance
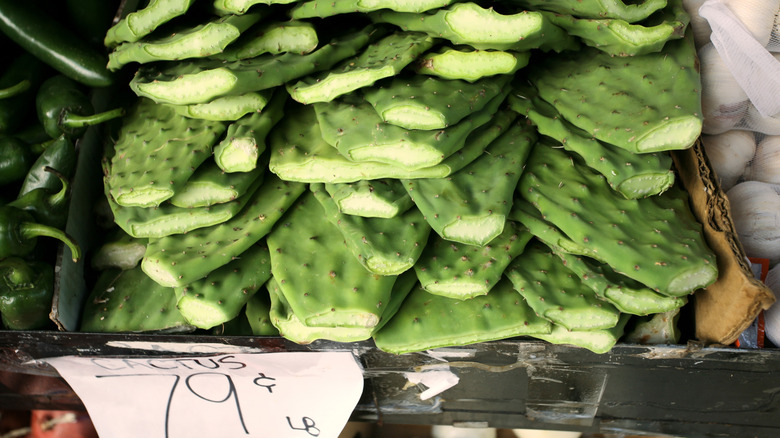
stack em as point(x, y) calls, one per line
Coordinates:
point(226, 108)
point(155, 154)
point(425, 102)
point(321, 279)
point(554, 292)
point(383, 198)
point(181, 259)
point(238, 7)
point(471, 205)
point(598, 9)
point(168, 219)
point(257, 313)
point(632, 175)
point(195, 42)
point(460, 271)
point(383, 246)
point(329, 8)
point(382, 59)
point(203, 80)
point(425, 321)
point(300, 154)
point(292, 36)
point(627, 295)
point(597, 341)
point(468, 23)
point(618, 37)
point(469, 64)
point(221, 295)
point(209, 185)
point(291, 327)
point(129, 301)
point(244, 143)
point(643, 103)
point(359, 134)
point(655, 240)
point(138, 24)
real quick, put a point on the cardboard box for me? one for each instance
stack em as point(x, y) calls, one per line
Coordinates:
point(726, 308)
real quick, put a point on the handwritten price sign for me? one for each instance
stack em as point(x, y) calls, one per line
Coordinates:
point(297, 394)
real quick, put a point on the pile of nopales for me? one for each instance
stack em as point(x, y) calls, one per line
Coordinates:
point(451, 173)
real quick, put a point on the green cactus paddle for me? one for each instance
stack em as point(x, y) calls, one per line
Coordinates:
point(655, 240)
point(195, 42)
point(156, 153)
point(597, 341)
point(382, 59)
point(598, 9)
point(383, 246)
point(469, 64)
point(644, 103)
point(471, 205)
point(470, 24)
point(627, 295)
point(461, 271)
point(300, 154)
point(221, 295)
point(358, 132)
point(202, 80)
point(426, 321)
point(129, 301)
point(383, 198)
point(633, 175)
point(426, 102)
point(180, 259)
point(555, 293)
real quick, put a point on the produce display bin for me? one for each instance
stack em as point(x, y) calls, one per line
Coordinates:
point(702, 387)
point(679, 390)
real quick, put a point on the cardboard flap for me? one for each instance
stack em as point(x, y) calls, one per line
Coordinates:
point(726, 308)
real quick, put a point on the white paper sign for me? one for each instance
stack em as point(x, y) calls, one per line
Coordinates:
point(290, 394)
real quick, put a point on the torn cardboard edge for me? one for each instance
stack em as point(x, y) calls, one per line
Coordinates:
point(726, 308)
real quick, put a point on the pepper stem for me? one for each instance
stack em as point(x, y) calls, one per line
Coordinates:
point(17, 88)
point(62, 196)
point(31, 230)
point(71, 120)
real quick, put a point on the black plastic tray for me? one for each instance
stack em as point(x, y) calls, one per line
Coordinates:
point(679, 390)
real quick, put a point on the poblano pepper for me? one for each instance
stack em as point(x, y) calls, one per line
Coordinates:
point(26, 293)
point(19, 233)
point(16, 158)
point(63, 108)
point(59, 154)
point(47, 206)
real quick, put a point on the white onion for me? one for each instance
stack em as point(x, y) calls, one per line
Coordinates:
point(699, 25)
point(772, 315)
point(729, 154)
point(724, 103)
point(765, 165)
point(755, 211)
point(758, 16)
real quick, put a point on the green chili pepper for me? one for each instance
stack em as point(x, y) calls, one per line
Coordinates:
point(54, 43)
point(26, 293)
point(16, 158)
point(63, 108)
point(15, 89)
point(59, 154)
point(48, 207)
point(16, 109)
point(19, 234)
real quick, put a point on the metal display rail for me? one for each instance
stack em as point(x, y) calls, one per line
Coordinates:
point(680, 390)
